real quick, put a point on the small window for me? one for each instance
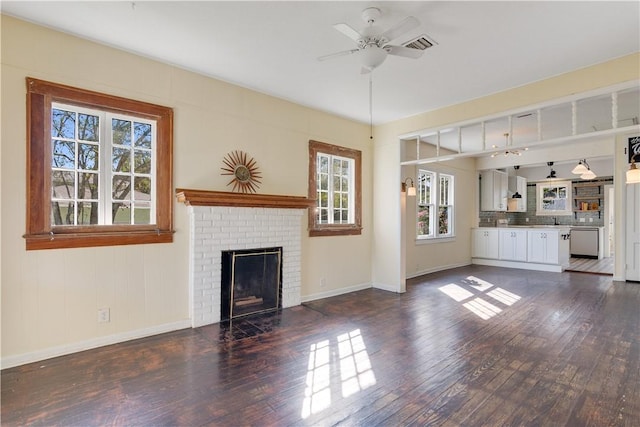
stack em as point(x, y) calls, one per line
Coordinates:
point(334, 182)
point(435, 205)
point(100, 169)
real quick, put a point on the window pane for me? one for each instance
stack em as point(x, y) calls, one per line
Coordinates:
point(88, 127)
point(121, 214)
point(345, 216)
point(323, 164)
point(121, 131)
point(63, 185)
point(324, 216)
point(424, 218)
point(324, 182)
point(121, 187)
point(443, 220)
point(62, 213)
point(142, 214)
point(64, 154)
point(120, 160)
point(323, 200)
point(63, 124)
point(142, 161)
point(142, 133)
point(337, 167)
point(88, 186)
point(87, 213)
point(88, 156)
point(142, 187)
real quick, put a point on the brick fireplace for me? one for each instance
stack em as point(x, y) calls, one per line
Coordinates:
point(221, 221)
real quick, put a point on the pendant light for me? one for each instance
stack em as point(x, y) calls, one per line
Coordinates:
point(552, 173)
point(580, 168)
point(633, 174)
point(516, 195)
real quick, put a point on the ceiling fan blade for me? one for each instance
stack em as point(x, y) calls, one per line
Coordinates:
point(407, 52)
point(348, 31)
point(409, 23)
point(335, 55)
point(365, 70)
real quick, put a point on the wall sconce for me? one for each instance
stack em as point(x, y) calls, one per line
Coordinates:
point(409, 188)
point(633, 174)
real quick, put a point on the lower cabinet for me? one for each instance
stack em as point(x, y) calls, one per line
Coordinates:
point(513, 245)
point(486, 243)
point(543, 246)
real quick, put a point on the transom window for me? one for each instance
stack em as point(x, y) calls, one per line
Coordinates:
point(435, 204)
point(100, 169)
point(334, 182)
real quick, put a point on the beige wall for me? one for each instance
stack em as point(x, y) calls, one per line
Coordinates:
point(50, 298)
point(402, 256)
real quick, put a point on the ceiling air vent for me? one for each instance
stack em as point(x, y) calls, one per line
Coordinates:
point(421, 43)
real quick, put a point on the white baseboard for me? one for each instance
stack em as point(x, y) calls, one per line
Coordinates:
point(555, 268)
point(335, 292)
point(48, 353)
point(436, 269)
point(386, 287)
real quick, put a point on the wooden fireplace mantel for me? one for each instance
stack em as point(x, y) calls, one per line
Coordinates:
point(223, 198)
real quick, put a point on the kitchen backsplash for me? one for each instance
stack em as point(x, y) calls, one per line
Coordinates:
point(490, 219)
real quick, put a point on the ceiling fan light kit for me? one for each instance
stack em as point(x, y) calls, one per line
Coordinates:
point(373, 43)
point(633, 174)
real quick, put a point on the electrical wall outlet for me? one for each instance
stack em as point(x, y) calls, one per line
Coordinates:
point(590, 219)
point(581, 219)
point(323, 282)
point(104, 315)
point(526, 220)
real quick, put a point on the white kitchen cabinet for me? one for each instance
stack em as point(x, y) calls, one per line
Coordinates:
point(517, 184)
point(486, 243)
point(493, 190)
point(513, 245)
point(548, 246)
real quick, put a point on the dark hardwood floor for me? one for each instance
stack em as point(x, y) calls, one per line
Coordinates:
point(473, 346)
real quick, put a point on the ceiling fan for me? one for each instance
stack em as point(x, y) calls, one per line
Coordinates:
point(373, 43)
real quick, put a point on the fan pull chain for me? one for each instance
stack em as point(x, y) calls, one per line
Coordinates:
point(371, 105)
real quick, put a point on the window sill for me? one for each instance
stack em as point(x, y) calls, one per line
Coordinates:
point(85, 240)
point(430, 240)
point(335, 231)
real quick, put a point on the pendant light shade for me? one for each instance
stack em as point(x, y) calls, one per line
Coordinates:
point(580, 168)
point(588, 174)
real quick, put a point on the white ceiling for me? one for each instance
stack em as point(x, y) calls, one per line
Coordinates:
point(272, 47)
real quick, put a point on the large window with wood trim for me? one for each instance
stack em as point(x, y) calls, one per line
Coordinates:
point(100, 169)
point(335, 184)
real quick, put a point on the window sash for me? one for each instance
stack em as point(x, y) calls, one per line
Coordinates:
point(335, 203)
point(132, 206)
point(434, 194)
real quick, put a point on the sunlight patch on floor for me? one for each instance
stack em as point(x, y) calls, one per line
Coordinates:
point(354, 366)
point(456, 292)
point(479, 306)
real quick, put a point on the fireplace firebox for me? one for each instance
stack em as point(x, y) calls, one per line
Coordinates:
point(251, 282)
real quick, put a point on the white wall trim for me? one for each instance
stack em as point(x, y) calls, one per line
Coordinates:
point(388, 288)
point(438, 268)
point(36, 356)
point(335, 292)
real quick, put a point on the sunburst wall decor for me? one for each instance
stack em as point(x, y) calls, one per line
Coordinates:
point(244, 170)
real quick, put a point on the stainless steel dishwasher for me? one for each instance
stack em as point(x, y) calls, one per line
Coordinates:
point(585, 242)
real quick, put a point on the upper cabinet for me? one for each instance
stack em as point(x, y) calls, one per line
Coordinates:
point(493, 190)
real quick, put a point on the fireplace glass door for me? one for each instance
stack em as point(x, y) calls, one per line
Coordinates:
point(251, 282)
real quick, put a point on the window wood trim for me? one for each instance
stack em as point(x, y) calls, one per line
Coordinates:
point(315, 229)
point(40, 233)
